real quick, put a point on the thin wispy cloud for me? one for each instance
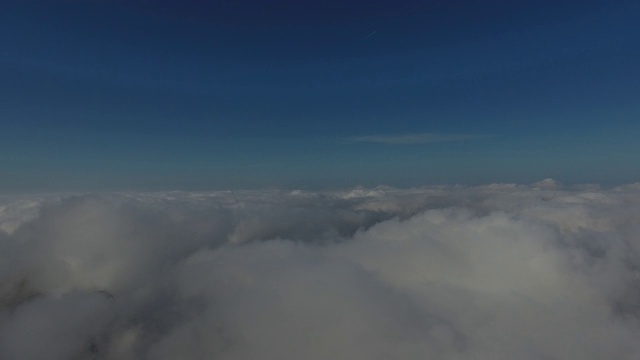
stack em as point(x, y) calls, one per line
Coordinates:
point(370, 35)
point(410, 139)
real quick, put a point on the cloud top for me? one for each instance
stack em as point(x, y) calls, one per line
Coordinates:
point(501, 271)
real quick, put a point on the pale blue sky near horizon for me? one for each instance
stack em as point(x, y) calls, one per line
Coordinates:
point(163, 95)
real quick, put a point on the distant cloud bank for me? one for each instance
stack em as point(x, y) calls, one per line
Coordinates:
point(409, 139)
point(501, 271)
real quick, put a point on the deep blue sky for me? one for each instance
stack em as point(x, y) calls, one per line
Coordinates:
point(115, 95)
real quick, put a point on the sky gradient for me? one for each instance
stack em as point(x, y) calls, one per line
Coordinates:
point(160, 95)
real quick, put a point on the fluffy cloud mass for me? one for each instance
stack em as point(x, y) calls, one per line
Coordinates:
point(491, 272)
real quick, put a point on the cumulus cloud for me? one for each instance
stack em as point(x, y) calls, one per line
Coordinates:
point(501, 271)
point(410, 139)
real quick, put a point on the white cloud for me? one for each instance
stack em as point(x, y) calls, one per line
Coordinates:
point(493, 272)
point(410, 139)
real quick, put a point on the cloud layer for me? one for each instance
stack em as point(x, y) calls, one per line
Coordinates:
point(493, 272)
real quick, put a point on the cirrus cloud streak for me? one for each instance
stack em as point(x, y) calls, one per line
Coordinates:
point(421, 138)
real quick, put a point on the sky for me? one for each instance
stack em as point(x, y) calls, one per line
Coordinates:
point(193, 95)
point(279, 179)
